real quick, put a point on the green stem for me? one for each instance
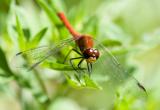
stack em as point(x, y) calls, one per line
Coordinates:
point(41, 84)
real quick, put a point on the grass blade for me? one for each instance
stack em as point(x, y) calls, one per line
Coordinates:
point(21, 37)
point(37, 38)
point(51, 14)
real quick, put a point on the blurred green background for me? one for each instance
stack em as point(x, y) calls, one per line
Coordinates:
point(130, 27)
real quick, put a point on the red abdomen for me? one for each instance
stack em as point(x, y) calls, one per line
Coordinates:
point(84, 42)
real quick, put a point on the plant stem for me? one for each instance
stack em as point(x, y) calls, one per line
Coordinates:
point(39, 79)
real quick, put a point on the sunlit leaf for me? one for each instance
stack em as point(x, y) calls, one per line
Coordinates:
point(91, 26)
point(21, 38)
point(57, 66)
point(73, 83)
point(90, 83)
point(111, 43)
point(26, 32)
point(37, 38)
point(51, 14)
point(58, 5)
point(84, 82)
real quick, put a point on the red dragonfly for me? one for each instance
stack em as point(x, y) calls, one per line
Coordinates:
point(101, 57)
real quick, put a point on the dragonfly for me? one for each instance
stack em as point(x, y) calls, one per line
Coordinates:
point(92, 54)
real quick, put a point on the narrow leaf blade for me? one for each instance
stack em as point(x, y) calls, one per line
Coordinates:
point(37, 38)
point(4, 65)
point(21, 38)
point(51, 14)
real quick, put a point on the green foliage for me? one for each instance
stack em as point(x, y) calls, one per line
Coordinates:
point(4, 65)
point(21, 38)
point(110, 42)
point(131, 31)
point(37, 38)
point(86, 82)
point(52, 15)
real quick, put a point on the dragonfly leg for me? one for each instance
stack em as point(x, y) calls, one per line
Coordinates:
point(79, 64)
point(71, 62)
point(69, 54)
point(89, 67)
point(77, 52)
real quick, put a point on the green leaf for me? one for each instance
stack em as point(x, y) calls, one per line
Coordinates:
point(121, 51)
point(37, 38)
point(90, 83)
point(73, 83)
point(57, 66)
point(91, 26)
point(111, 43)
point(58, 6)
point(21, 37)
point(4, 65)
point(85, 82)
point(27, 33)
point(41, 97)
point(51, 14)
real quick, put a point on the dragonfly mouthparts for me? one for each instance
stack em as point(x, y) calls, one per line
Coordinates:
point(91, 59)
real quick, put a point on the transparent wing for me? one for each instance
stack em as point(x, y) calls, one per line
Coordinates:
point(107, 64)
point(35, 56)
point(111, 71)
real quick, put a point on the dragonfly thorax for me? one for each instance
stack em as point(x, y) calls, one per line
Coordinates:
point(91, 55)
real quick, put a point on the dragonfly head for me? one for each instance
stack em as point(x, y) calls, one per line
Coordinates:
point(91, 55)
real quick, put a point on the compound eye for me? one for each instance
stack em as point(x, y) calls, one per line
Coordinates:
point(91, 53)
point(96, 53)
point(88, 53)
